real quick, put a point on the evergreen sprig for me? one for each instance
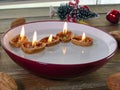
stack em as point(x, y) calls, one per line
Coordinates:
point(64, 10)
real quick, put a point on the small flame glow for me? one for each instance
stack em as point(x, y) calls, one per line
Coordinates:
point(22, 34)
point(34, 39)
point(64, 50)
point(83, 37)
point(65, 28)
point(50, 39)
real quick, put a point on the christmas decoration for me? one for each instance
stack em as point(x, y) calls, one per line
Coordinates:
point(64, 10)
point(85, 7)
point(81, 14)
point(73, 12)
point(74, 3)
point(113, 16)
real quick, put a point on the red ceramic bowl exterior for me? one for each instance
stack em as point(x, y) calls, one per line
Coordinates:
point(57, 71)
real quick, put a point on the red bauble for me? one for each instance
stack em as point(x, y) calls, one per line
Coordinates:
point(74, 20)
point(71, 3)
point(85, 7)
point(113, 16)
point(77, 1)
point(70, 19)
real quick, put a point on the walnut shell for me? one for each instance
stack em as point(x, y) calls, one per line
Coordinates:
point(15, 41)
point(7, 82)
point(18, 22)
point(65, 37)
point(77, 40)
point(55, 40)
point(116, 35)
point(113, 82)
point(29, 49)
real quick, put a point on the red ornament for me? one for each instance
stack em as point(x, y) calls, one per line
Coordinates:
point(85, 7)
point(77, 1)
point(74, 3)
point(74, 20)
point(71, 3)
point(113, 16)
point(70, 19)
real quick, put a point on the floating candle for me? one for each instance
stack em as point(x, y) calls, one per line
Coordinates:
point(66, 35)
point(50, 41)
point(19, 39)
point(82, 40)
point(34, 46)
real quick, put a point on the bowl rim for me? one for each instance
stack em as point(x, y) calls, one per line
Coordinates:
point(105, 58)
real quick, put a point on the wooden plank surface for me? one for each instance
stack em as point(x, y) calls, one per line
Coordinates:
point(27, 81)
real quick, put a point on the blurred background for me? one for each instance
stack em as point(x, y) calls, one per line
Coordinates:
point(4, 4)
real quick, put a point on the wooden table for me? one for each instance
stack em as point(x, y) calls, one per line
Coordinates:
point(93, 81)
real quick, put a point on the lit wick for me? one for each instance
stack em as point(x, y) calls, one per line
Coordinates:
point(34, 41)
point(22, 34)
point(65, 28)
point(50, 39)
point(83, 37)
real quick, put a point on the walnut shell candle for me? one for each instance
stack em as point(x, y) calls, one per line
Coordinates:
point(77, 40)
point(54, 40)
point(17, 41)
point(27, 47)
point(65, 37)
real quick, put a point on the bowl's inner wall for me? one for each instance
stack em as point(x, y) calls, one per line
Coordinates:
point(64, 53)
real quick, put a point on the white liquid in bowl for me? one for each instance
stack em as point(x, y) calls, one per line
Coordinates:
point(65, 53)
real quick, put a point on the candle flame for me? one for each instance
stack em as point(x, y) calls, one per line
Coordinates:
point(34, 39)
point(22, 34)
point(83, 37)
point(50, 39)
point(65, 28)
point(64, 50)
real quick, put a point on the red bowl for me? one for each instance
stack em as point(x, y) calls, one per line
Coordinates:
point(53, 62)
